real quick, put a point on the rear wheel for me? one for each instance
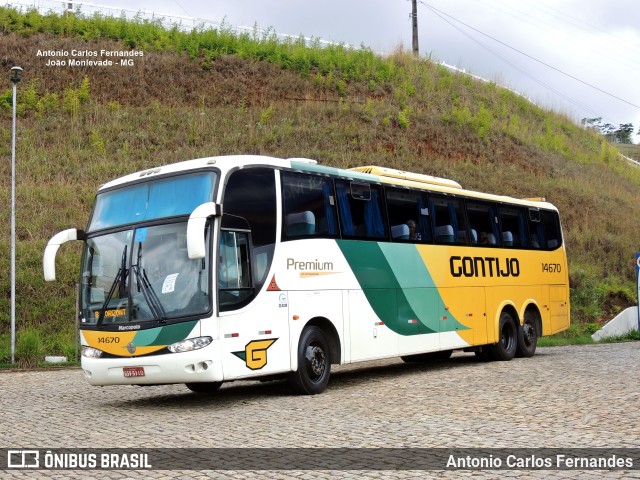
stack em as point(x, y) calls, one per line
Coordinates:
point(507, 344)
point(204, 387)
point(527, 336)
point(314, 363)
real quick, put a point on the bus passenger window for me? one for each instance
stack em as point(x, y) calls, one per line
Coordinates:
point(448, 220)
point(483, 224)
point(514, 227)
point(536, 231)
point(308, 206)
point(360, 209)
point(544, 227)
point(408, 215)
point(551, 228)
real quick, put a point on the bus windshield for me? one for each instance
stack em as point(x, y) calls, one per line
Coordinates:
point(159, 198)
point(142, 274)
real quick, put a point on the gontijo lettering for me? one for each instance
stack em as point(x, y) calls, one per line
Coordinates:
point(484, 267)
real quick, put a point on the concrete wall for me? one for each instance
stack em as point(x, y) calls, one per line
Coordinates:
point(625, 322)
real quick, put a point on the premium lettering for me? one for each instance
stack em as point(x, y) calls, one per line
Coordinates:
point(315, 265)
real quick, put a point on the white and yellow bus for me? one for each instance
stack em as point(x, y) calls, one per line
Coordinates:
point(245, 267)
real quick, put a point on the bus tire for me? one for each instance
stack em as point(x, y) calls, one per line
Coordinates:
point(507, 344)
point(204, 387)
point(527, 336)
point(314, 363)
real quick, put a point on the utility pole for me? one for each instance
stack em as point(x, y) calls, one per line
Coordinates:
point(414, 21)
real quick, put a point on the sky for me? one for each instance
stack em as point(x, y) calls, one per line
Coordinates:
point(578, 57)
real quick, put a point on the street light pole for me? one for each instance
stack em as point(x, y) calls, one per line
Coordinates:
point(16, 74)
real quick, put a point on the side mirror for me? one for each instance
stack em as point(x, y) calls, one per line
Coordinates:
point(196, 247)
point(50, 251)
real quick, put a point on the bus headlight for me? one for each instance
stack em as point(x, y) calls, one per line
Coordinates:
point(190, 344)
point(91, 352)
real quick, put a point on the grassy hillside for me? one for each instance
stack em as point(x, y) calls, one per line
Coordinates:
point(203, 93)
point(631, 151)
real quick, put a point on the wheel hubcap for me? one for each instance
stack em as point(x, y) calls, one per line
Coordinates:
point(315, 359)
point(529, 334)
point(507, 340)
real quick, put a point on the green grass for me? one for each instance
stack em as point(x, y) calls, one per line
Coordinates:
point(210, 92)
point(33, 345)
point(558, 341)
point(585, 338)
point(631, 151)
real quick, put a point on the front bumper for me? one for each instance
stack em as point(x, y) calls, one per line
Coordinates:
point(203, 365)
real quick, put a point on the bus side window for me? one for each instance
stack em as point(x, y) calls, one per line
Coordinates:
point(483, 224)
point(536, 230)
point(360, 208)
point(408, 214)
point(514, 229)
point(448, 220)
point(551, 228)
point(544, 226)
point(308, 206)
point(250, 194)
point(234, 271)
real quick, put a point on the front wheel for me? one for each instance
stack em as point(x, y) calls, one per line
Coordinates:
point(507, 344)
point(527, 336)
point(314, 363)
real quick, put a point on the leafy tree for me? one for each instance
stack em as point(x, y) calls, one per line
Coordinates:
point(622, 134)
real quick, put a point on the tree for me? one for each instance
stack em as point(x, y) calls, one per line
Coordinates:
point(622, 134)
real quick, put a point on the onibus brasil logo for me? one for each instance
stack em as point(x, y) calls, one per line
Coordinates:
point(255, 353)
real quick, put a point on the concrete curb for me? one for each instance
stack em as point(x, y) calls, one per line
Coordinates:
point(625, 322)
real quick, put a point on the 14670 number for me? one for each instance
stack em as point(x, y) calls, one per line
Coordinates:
point(551, 267)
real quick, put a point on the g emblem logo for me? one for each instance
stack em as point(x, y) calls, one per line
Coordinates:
point(255, 353)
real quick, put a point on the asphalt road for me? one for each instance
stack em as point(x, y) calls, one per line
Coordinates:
point(563, 397)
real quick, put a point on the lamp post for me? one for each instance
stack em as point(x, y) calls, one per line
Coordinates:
point(16, 75)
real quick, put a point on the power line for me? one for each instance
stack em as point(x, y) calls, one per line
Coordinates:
point(543, 84)
point(575, 21)
point(433, 9)
point(182, 8)
point(573, 32)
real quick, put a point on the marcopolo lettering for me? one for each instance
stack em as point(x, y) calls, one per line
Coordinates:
point(484, 267)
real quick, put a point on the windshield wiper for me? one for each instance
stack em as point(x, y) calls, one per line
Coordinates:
point(144, 285)
point(121, 276)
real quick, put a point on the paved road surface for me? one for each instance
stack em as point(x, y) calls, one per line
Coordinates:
point(575, 396)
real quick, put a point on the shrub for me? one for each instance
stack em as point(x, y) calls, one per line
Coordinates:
point(28, 348)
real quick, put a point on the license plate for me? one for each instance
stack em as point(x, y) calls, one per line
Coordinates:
point(133, 372)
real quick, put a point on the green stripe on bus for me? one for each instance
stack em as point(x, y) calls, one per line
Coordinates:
point(165, 335)
point(398, 286)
